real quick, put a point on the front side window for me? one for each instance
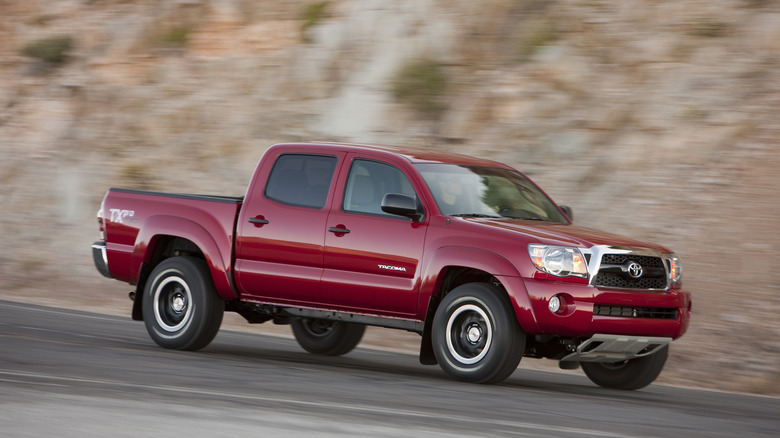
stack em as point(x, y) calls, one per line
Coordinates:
point(368, 182)
point(475, 191)
point(301, 180)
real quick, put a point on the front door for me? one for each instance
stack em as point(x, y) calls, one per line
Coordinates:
point(372, 258)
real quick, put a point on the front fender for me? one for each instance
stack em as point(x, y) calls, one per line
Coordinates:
point(486, 261)
point(216, 249)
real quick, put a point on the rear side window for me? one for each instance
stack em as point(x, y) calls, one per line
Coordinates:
point(368, 182)
point(301, 180)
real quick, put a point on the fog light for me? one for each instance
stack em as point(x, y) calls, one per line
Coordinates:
point(555, 304)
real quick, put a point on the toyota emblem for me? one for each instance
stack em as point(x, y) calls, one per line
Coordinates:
point(635, 270)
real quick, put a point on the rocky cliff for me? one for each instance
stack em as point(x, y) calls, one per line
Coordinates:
point(657, 119)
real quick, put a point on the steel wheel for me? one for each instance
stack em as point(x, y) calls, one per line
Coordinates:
point(172, 298)
point(181, 309)
point(329, 338)
point(318, 328)
point(475, 335)
point(469, 334)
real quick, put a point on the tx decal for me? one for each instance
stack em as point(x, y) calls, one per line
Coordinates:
point(117, 215)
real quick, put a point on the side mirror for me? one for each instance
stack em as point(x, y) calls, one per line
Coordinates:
point(402, 205)
point(568, 212)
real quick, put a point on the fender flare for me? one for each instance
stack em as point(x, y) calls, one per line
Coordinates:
point(219, 264)
point(487, 261)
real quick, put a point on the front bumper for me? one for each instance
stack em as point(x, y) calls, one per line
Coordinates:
point(589, 310)
point(100, 259)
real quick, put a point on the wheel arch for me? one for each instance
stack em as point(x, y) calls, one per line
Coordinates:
point(447, 271)
point(162, 237)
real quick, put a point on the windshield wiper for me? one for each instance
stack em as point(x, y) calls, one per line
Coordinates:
point(528, 218)
point(476, 215)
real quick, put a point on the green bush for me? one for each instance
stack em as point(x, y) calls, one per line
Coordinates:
point(421, 84)
point(312, 15)
point(535, 34)
point(175, 38)
point(52, 50)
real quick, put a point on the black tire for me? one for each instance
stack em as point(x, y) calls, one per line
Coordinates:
point(328, 338)
point(627, 375)
point(181, 309)
point(476, 337)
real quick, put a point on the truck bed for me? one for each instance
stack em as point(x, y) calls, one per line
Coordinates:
point(205, 220)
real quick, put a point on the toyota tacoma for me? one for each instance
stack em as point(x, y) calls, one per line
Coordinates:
point(469, 253)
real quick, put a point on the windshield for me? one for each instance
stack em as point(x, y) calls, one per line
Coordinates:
point(474, 191)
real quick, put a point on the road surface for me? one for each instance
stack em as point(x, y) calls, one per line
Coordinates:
point(67, 373)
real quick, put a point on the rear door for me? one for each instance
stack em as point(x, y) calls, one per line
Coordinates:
point(281, 231)
point(372, 258)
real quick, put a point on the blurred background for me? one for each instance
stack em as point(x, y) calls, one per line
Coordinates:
point(651, 118)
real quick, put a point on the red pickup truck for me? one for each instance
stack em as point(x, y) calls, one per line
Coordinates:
point(468, 253)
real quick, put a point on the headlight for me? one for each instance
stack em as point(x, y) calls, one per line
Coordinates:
point(560, 261)
point(675, 269)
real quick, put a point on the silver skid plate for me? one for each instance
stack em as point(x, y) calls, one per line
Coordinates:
point(616, 348)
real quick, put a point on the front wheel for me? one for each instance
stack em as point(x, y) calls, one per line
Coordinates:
point(475, 335)
point(628, 375)
point(329, 338)
point(181, 309)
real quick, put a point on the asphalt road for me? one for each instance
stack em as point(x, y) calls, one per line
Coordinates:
point(74, 374)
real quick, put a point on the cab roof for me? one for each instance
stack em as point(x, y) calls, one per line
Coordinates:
point(413, 155)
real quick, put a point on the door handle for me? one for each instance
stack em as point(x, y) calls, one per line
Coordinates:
point(258, 220)
point(338, 230)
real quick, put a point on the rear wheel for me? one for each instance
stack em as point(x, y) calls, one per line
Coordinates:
point(329, 338)
point(181, 309)
point(630, 374)
point(475, 335)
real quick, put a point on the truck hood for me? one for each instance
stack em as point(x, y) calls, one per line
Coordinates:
point(563, 234)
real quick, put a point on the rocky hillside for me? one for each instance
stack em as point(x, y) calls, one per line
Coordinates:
point(657, 119)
